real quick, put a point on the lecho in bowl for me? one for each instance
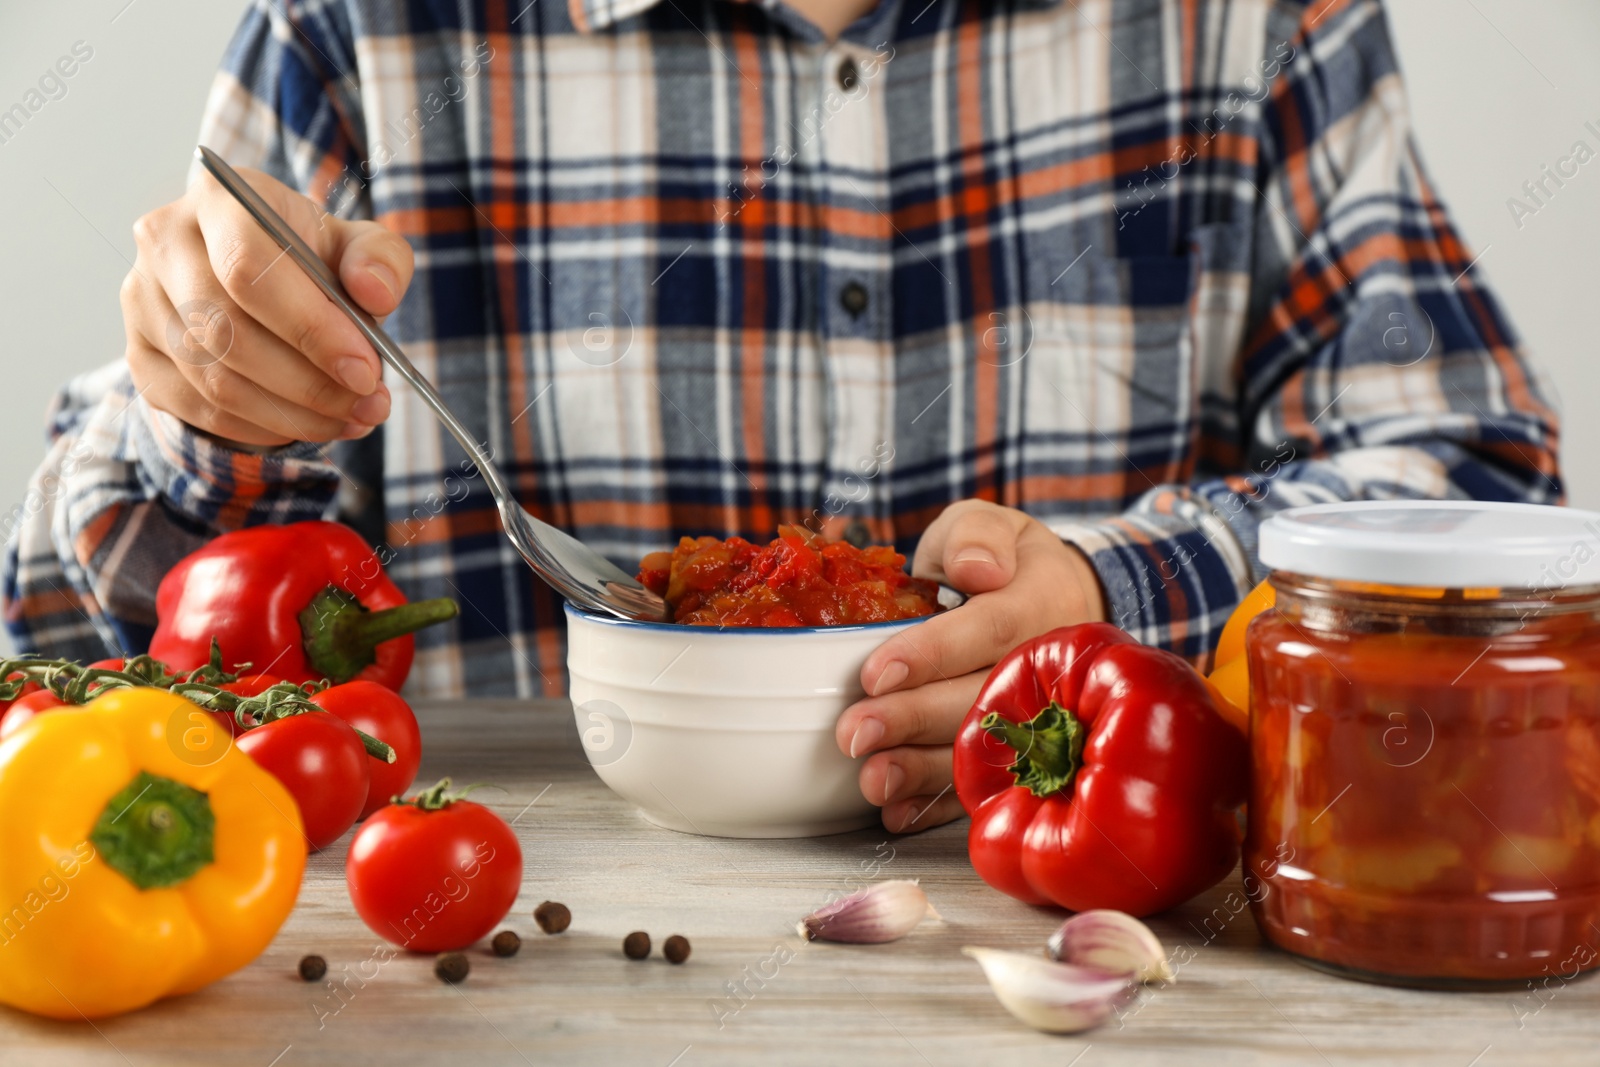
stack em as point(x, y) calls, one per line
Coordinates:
point(725, 731)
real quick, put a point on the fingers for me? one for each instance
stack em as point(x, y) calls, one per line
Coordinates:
point(1023, 581)
point(907, 737)
point(159, 381)
point(971, 546)
point(905, 772)
point(210, 327)
point(914, 787)
point(272, 290)
point(955, 643)
point(1053, 585)
point(921, 813)
point(928, 715)
point(254, 352)
point(375, 264)
point(211, 402)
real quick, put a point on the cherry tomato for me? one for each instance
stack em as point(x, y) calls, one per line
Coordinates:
point(26, 707)
point(27, 687)
point(434, 880)
point(380, 711)
point(322, 763)
point(35, 698)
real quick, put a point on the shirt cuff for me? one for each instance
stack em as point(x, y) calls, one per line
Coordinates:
point(1169, 581)
point(225, 487)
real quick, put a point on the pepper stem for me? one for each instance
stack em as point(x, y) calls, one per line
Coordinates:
point(1049, 748)
point(341, 637)
point(155, 831)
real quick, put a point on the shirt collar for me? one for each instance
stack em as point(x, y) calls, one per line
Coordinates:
point(589, 16)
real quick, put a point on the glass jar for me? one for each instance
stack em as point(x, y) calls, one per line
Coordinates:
point(1425, 742)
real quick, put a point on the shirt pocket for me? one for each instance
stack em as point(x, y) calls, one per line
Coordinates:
point(1130, 371)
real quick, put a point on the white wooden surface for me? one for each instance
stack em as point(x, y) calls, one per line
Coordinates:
point(576, 999)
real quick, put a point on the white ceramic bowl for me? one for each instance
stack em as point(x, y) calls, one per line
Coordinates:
point(726, 732)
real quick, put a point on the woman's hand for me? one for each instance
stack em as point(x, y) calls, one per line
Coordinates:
point(1022, 581)
point(228, 334)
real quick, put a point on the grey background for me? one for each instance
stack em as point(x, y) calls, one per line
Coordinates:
point(1499, 88)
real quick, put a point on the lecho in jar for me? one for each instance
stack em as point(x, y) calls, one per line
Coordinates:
point(1425, 741)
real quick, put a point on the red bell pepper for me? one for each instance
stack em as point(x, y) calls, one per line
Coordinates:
point(1099, 774)
point(304, 602)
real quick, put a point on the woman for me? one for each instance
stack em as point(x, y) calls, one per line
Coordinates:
point(1064, 298)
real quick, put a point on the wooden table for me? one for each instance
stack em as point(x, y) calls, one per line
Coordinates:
point(575, 999)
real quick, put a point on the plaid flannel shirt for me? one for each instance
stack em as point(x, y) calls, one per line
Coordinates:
point(1149, 270)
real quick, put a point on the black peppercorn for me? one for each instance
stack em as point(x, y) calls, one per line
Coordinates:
point(451, 967)
point(636, 946)
point(312, 968)
point(676, 948)
point(506, 943)
point(552, 917)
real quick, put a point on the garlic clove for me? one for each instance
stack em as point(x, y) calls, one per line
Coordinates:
point(1111, 941)
point(884, 911)
point(1058, 998)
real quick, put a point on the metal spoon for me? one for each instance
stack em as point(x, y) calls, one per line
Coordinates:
point(572, 568)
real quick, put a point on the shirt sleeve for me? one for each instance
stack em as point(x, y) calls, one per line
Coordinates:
point(1377, 364)
point(125, 491)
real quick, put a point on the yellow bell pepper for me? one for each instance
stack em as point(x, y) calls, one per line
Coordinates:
point(141, 856)
point(1230, 670)
point(1231, 645)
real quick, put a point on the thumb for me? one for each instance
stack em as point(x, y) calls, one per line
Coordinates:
point(980, 549)
point(374, 263)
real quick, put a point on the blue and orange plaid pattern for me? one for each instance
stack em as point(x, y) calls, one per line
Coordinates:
point(1149, 270)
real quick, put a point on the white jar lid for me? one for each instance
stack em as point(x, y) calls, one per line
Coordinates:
point(1454, 544)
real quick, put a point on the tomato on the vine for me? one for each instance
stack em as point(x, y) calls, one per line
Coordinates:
point(246, 685)
point(252, 685)
point(380, 711)
point(26, 707)
point(35, 698)
point(27, 687)
point(323, 764)
point(434, 873)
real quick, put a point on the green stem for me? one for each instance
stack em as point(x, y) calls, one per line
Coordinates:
point(280, 701)
point(438, 795)
point(155, 831)
point(72, 681)
point(375, 627)
point(76, 691)
point(375, 748)
point(1049, 748)
point(341, 637)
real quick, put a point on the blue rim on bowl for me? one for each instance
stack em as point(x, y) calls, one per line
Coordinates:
point(948, 598)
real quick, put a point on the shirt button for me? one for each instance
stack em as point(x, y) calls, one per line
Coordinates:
point(853, 298)
point(849, 76)
point(858, 533)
